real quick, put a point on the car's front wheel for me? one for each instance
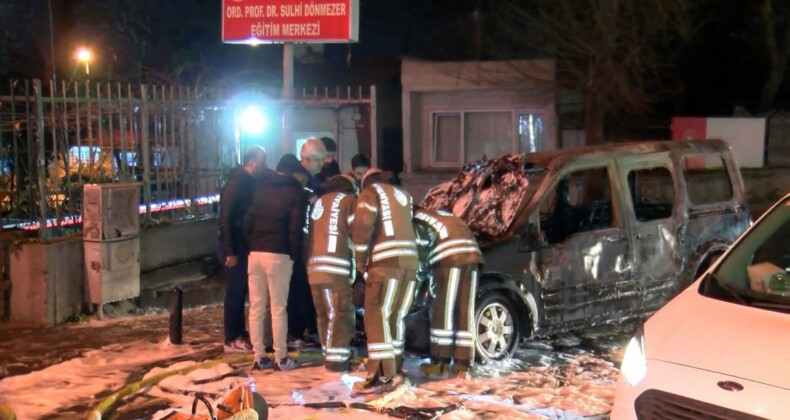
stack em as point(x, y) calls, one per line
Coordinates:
point(497, 327)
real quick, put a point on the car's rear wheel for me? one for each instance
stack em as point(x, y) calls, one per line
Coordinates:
point(497, 327)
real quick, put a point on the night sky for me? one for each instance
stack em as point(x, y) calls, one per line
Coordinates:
point(722, 65)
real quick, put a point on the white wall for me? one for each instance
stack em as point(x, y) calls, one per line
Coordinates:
point(745, 135)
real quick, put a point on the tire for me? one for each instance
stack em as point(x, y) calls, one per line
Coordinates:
point(497, 328)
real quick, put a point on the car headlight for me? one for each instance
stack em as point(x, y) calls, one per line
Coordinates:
point(634, 367)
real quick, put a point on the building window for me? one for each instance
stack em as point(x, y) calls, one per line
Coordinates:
point(447, 138)
point(460, 137)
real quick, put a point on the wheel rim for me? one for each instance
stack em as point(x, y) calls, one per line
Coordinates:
point(494, 330)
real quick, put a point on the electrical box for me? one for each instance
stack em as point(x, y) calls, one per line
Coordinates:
point(113, 269)
point(110, 211)
point(111, 238)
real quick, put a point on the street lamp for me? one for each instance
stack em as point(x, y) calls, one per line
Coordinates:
point(84, 55)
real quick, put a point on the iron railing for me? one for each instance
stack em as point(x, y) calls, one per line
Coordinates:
point(177, 141)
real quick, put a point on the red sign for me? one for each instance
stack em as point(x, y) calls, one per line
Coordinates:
point(274, 21)
point(690, 128)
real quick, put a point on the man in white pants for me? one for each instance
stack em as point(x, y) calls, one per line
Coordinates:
point(273, 226)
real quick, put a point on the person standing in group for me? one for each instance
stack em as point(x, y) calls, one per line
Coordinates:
point(360, 164)
point(330, 270)
point(386, 251)
point(330, 166)
point(232, 248)
point(312, 155)
point(449, 250)
point(273, 225)
point(301, 313)
point(301, 308)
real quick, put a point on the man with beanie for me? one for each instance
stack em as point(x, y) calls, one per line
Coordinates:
point(450, 252)
point(386, 251)
point(273, 225)
point(330, 270)
point(232, 248)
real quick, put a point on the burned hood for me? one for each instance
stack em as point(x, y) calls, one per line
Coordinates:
point(487, 195)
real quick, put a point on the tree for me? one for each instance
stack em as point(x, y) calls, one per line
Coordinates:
point(776, 38)
point(619, 54)
point(122, 26)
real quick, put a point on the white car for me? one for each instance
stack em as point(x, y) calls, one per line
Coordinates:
point(721, 348)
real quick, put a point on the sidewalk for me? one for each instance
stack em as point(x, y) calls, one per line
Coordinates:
point(26, 348)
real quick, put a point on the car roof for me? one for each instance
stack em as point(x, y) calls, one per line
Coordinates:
point(558, 156)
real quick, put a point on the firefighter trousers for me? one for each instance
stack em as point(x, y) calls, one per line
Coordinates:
point(335, 316)
point(452, 314)
point(388, 295)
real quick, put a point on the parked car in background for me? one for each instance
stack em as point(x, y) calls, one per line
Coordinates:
point(578, 237)
point(720, 349)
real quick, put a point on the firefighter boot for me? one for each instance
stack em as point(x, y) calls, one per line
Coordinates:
point(439, 369)
point(463, 371)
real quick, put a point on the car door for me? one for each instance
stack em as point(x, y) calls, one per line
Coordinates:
point(587, 256)
point(652, 204)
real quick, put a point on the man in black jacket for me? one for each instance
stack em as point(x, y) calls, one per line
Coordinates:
point(273, 224)
point(232, 249)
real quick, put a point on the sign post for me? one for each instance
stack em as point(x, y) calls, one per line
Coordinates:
point(283, 21)
point(256, 22)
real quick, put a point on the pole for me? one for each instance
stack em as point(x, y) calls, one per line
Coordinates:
point(176, 309)
point(52, 41)
point(42, 159)
point(146, 151)
point(287, 94)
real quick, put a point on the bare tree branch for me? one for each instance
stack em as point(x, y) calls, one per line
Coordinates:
point(617, 53)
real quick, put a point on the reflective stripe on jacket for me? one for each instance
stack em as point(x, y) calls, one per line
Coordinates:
point(445, 240)
point(330, 248)
point(382, 232)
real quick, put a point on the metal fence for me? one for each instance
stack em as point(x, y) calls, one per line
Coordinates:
point(176, 141)
point(56, 138)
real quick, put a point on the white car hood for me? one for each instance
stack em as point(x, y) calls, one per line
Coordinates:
point(717, 336)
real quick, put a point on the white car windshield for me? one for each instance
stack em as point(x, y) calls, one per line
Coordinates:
point(756, 272)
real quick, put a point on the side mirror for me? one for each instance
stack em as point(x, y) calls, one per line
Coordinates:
point(531, 239)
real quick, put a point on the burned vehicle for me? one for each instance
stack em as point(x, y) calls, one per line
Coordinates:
point(578, 237)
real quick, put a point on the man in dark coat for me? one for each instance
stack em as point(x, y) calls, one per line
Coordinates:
point(273, 226)
point(232, 248)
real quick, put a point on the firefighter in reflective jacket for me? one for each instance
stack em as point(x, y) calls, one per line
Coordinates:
point(450, 251)
point(330, 271)
point(386, 250)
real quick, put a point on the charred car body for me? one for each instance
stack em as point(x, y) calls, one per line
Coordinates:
point(578, 237)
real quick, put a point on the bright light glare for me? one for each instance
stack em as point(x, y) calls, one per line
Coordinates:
point(252, 120)
point(83, 55)
point(634, 366)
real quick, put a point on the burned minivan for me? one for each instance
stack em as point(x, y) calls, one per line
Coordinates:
point(578, 237)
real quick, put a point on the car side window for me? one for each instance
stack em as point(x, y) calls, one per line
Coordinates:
point(707, 180)
point(652, 193)
point(580, 202)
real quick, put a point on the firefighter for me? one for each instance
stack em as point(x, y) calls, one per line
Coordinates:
point(330, 270)
point(386, 251)
point(451, 253)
